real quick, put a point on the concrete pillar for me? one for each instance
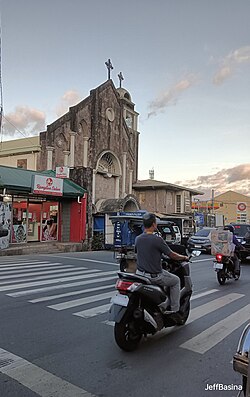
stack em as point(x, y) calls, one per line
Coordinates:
point(130, 181)
point(49, 150)
point(124, 164)
point(93, 186)
point(117, 187)
point(85, 151)
point(66, 158)
point(72, 149)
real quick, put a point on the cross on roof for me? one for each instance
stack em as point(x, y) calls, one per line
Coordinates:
point(109, 66)
point(120, 77)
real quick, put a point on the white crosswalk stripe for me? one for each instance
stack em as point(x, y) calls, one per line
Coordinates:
point(27, 268)
point(79, 292)
point(48, 276)
point(95, 311)
point(61, 286)
point(82, 301)
point(45, 282)
point(43, 272)
point(209, 338)
point(55, 280)
point(19, 264)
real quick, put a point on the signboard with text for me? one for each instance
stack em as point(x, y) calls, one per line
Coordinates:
point(47, 185)
point(62, 172)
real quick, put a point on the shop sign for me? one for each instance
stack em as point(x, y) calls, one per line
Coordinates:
point(241, 207)
point(48, 186)
point(62, 172)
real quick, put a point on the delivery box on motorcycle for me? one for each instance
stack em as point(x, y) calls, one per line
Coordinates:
point(222, 242)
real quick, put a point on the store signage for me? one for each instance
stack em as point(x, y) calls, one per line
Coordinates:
point(62, 172)
point(47, 185)
point(241, 207)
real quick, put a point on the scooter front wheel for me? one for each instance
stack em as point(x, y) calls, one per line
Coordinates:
point(126, 336)
point(221, 277)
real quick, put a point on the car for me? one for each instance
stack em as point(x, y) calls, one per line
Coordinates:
point(242, 232)
point(201, 240)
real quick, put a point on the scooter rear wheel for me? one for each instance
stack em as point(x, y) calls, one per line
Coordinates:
point(221, 277)
point(126, 336)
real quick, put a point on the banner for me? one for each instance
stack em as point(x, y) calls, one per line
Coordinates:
point(47, 185)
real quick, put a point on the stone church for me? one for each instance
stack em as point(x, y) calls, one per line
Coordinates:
point(98, 140)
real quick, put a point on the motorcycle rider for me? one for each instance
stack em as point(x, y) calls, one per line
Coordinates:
point(237, 246)
point(149, 248)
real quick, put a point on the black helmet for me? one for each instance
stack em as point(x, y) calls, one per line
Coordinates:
point(230, 228)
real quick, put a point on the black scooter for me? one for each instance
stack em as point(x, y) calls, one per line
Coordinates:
point(135, 308)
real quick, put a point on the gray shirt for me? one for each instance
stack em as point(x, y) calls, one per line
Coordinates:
point(149, 248)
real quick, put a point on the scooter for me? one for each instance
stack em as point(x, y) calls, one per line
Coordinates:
point(224, 267)
point(135, 308)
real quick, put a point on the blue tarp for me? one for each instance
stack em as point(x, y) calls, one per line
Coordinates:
point(99, 224)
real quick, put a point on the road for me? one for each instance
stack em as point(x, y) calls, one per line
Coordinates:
point(55, 339)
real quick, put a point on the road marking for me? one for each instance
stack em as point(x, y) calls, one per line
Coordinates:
point(23, 264)
point(28, 268)
point(95, 311)
point(84, 259)
point(48, 276)
point(209, 338)
point(196, 296)
point(79, 292)
point(61, 286)
point(37, 379)
point(211, 306)
point(43, 272)
point(55, 281)
point(82, 301)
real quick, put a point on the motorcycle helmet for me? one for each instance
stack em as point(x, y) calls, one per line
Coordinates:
point(230, 228)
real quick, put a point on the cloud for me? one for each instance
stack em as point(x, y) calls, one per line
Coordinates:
point(235, 178)
point(69, 98)
point(171, 95)
point(230, 64)
point(28, 120)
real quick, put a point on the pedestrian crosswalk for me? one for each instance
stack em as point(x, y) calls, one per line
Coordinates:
point(85, 293)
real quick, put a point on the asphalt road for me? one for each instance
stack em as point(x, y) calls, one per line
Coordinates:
point(55, 339)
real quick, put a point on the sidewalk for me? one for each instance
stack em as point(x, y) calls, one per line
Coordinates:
point(41, 248)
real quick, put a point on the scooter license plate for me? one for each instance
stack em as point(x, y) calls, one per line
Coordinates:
point(121, 300)
point(218, 265)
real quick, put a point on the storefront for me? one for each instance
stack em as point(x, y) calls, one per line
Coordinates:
point(39, 207)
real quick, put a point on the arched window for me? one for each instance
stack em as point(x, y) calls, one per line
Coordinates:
point(108, 164)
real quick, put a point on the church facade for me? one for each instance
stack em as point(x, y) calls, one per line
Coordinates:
point(98, 140)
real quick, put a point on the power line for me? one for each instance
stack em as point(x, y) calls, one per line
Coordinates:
point(17, 129)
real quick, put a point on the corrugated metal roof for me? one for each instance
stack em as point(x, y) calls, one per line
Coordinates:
point(20, 180)
point(152, 183)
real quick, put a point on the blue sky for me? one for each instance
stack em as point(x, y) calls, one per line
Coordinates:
point(185, 63)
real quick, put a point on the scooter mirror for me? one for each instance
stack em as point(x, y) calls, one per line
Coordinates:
point(196, 253)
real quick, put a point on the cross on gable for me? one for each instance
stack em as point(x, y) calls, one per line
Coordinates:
point(109, 66)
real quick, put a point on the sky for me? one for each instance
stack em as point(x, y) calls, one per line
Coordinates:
point(186, 65)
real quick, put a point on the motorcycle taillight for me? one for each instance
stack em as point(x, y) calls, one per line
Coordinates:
point(219, 257)
point(122, 285)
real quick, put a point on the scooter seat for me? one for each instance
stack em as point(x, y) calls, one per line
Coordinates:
point(134, 277)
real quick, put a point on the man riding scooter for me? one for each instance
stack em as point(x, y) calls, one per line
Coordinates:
point(149, 248)
point(237, 248)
